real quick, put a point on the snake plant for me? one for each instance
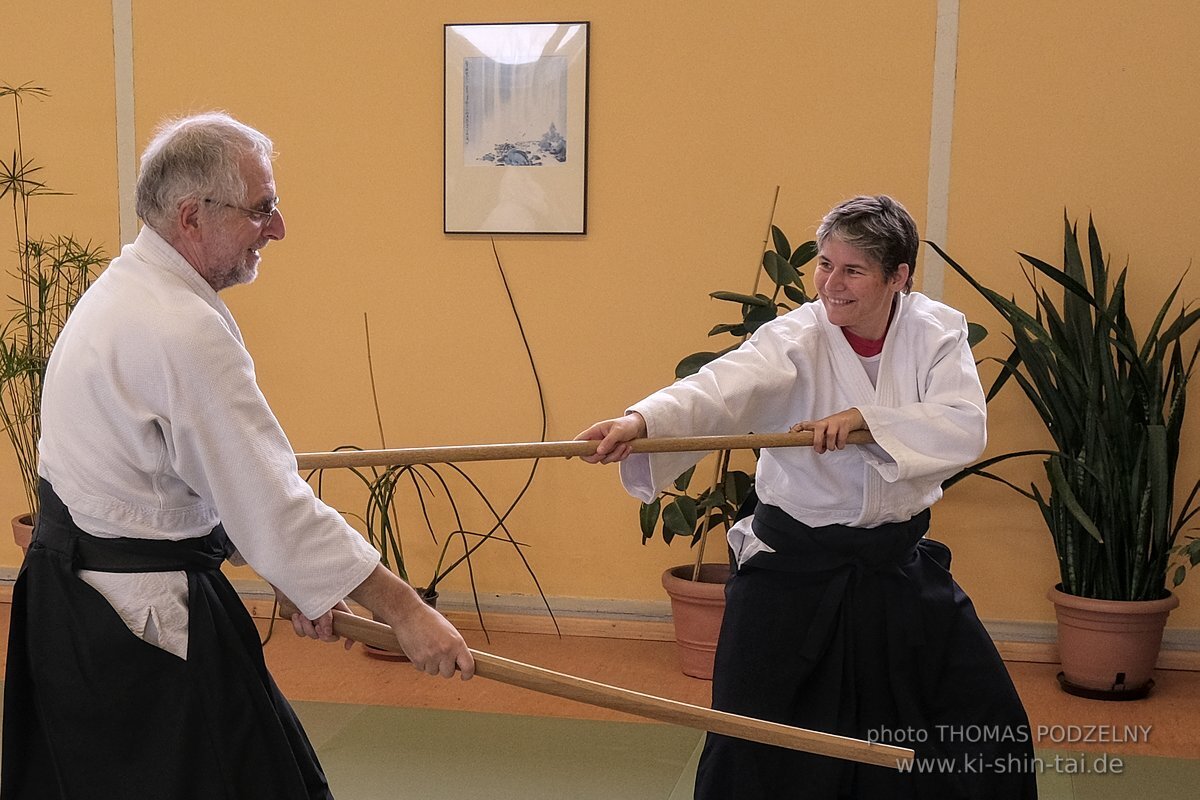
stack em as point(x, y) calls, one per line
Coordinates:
point(1113, 405)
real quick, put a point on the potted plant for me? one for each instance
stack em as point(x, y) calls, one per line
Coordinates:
point(384, 490)
point(52, 273)
point(1113, 405)
point(697, 590)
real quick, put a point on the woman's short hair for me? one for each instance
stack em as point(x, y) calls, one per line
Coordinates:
point(877, 225)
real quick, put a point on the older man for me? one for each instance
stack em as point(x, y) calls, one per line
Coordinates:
point(134, 671)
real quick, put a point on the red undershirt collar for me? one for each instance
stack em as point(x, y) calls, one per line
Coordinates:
point(864, 347)
point(869, 347)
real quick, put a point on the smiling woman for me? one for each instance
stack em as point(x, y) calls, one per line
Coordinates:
point(857, 277)
point(831, 557)
point(856, 291)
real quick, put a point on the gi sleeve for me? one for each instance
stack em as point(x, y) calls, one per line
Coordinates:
point(223, 440)
point(735, 394)
point(942, 428)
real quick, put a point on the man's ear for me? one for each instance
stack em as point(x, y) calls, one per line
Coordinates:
point(188, 217)
point(901, 275)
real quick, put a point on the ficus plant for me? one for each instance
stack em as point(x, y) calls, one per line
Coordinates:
point(682, 510)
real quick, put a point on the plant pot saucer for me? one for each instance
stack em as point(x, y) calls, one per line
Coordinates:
point(430, 599)
point(1108, 648)
point(383, 655)
point(1137, 693)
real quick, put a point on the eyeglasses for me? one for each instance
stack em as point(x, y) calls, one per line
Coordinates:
point(263, 218)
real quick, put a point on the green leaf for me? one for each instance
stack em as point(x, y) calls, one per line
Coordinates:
point(804, 254)
point(976, 333)
point(648, 516)
point(782, 272)
point(737, 487)
point(756, 317)
point(712, 499)
point(685, 479)
point(796, 294)
point(1062, 490)
point(679, 517)
point(1113, 404)
point(692, 364)
point(744, 299)
point(690, 510)
point(782, 247)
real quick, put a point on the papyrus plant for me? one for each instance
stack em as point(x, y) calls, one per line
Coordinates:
point(51, 274)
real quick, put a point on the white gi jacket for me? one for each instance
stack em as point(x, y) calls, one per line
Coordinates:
point(926, 411)
point(153, 426)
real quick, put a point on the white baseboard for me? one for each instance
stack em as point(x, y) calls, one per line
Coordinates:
point(627, 619)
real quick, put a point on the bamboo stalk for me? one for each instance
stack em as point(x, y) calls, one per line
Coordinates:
point(718, 474)
point(567, 449)
point(723, 458)
point(538, 679)
point(766, 243)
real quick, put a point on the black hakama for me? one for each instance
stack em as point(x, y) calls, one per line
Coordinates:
point(93, 711)
point(862, 633)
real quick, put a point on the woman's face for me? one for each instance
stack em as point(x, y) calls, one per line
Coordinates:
point(854, 290)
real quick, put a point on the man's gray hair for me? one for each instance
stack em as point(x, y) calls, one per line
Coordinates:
point(195, 157)
point(877, 225)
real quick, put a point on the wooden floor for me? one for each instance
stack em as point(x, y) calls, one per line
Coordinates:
point(308, 670)
point(312, 671)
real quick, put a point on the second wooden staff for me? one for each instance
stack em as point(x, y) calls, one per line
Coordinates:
point(661, 709)
point(567, 449)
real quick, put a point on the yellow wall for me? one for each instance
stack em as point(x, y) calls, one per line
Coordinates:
point(695, 119)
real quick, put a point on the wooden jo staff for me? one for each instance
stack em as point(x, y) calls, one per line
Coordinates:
point(582, 690)
point(569, 449)
point(527, 676)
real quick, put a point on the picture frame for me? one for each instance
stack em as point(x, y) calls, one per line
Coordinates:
point(516, 128)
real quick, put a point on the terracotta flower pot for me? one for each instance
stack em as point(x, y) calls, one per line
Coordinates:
point(23, 531)
point(1108, 648)
point(697, 608)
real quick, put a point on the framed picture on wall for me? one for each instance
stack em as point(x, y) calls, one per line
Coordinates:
point(516, 97)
